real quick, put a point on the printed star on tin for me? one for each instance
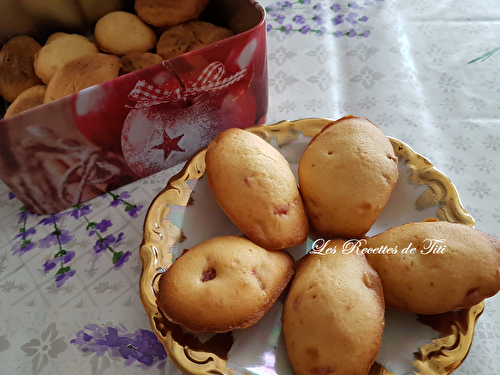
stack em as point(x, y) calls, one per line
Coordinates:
point(169, 145)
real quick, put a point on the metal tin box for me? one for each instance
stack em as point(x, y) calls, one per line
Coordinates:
point(68, 151)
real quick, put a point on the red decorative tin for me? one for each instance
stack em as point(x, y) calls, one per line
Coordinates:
point(68, 151)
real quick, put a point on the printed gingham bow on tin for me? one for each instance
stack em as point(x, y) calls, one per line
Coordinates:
point(212, 78)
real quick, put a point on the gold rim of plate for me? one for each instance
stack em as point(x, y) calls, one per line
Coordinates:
point(441, 357)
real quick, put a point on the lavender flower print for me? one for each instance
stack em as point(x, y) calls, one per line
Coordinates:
point(26, 244)
point(55, 238)
point(305, 29)
point(335, 16)
point(60, 260)
point(336, 8)
point(280, 19)
point(299, 20)
point(353, 5)
point(131, 209)
point(108, 242)
point(352, 18)
point(102, 226)
point(118, 198)
point(141, 347)
point(24, 234)
point(80, 211)
point(58, 238)
point(104, 243)
point(318, 19)
point(63, 276)
point(338, 19)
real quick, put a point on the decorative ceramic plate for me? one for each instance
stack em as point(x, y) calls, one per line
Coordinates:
point(186, 213)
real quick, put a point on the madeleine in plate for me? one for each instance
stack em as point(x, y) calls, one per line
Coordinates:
point(223, 283)
point(255, 187)
point(440, 266)
point(346, 176)
point(333, 317)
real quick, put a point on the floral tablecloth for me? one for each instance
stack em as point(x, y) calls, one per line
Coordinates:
point(425, 72)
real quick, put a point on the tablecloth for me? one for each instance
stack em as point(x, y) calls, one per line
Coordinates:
point(426, 72)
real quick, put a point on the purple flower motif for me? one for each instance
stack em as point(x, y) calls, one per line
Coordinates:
point(299, 20)
point(25, 233)
point(133, 210)
point(88, 341)
point(366, 34)
point(280, 19)
point(269, 27)
point(23, 215)
point(337, 34)
point(52, 219)
point(22, 248)
point(11, 195)
point(304, 1)
point(285, 4)
point(118, 198)
point(49, 265)
point(142, 346)
point(273, 14)
point(305, 29)
point(65, 237)
point(148, 348)
point(353, 4)
point(318, 6)
point(336, 8)
point(363, 19)
point(318, 19)
point(321, 31)
point(104, 242)
point(286, 29)
point(63, 277)
point(352, 33)
point(119, 238)
point(68, 257)
point(122, 259)
point(338, 19)
point(56, 238)
point(102, 227)
point(114, 340)
point(81, 338)
point(80, 211)
point(352, 18)
point(114, 203)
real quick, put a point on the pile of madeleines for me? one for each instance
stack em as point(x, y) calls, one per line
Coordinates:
point(122, 42)
point(333, 314)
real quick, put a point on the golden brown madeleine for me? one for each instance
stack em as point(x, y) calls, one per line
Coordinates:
point(82, 72)
point(333, 317)
point(16, 66)
point(223, 283)
point(121, 32)
point(255, 187)
point(30, 98)
point(168, 12)
point(439, 266)
point(346, 176)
